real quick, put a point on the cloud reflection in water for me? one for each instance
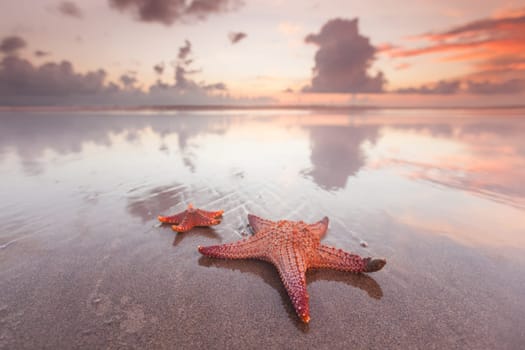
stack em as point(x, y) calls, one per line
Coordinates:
point(290, 161)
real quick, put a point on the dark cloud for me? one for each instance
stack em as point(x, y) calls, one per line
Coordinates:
point(512, 86)
point(343, 60)
point(450, 87)
point(440, 88)
point(22, 83)
point(235, 37)
point(11, 44)
point(69, 8)
point(183, 69)
point(192, 91)
point(159, 68)
point(288, 90)
point(40, 53)
point(216, 86)
point(170, 11)
point(182, 81)
point(184, 51)
point(18, 77)
point(128, 80)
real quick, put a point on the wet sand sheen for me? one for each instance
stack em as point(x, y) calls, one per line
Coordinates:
point(84, 264)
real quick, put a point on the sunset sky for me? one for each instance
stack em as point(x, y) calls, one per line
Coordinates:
point(168, 52)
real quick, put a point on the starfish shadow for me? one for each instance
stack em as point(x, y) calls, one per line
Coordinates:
point(357, 280)
point(207, 232)
point(270, 276)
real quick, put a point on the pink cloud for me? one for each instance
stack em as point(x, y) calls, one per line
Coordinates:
point(480, 42)
point(404, 65)
point(495, 48)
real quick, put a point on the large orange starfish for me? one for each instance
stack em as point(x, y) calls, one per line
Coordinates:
point(191, 217)
point(293, 247)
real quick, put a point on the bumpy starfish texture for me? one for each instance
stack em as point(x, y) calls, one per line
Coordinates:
point(192, 217)
point(293, 247)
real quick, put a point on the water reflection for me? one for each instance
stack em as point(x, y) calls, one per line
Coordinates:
point(151, 203)
point(483, 155)
point(337, 154)
point(32, 134)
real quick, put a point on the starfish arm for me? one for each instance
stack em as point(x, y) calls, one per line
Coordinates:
point(337, 259)
point(259, 224)
point(199, 219)
point(173, 219)
point(210, 214)
point(249, 248)
point(320, 227)
point(292, 270)
point(185, 225)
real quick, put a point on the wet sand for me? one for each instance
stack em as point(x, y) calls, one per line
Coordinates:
point(84, 264)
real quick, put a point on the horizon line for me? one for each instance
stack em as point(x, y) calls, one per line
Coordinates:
point(190, 107)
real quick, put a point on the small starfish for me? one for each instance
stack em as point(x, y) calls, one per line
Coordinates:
point(293, 247)
point(192, 217)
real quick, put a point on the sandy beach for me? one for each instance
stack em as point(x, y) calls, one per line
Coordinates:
point(84, 263)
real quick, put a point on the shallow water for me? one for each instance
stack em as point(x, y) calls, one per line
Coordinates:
point(439, 193)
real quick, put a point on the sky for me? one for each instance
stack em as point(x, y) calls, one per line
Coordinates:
point(229, 52)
